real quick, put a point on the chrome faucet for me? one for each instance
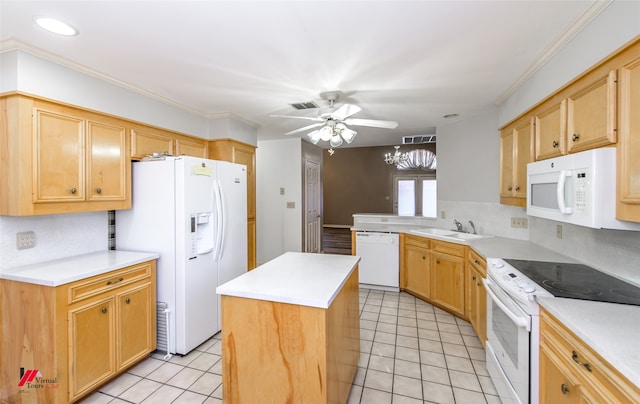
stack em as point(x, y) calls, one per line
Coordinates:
point(473, 227)
point(458, 225)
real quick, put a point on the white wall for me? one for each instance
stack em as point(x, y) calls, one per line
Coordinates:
point(278, 227)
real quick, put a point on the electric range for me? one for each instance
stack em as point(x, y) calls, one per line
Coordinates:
point(577, 281)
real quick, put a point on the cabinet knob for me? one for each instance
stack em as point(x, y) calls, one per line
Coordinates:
point(115, 281)
point(474, 277)
point(575, 137)
point(99, 190)
point(564, 389)
point(104, 310)
point(74, 190)
point(424, 258)
point(517, 188)
point(127, 300)
point(555, 144)
point(509, 188)
point(437, 261)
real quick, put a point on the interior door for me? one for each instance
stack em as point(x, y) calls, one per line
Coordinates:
point(313, 227)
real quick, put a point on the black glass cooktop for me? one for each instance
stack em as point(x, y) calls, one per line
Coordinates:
point(578, 281)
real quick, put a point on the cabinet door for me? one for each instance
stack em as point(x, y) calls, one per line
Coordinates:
point(523, 149)
point(551, 132)
point(134, 325)
point(58, 161)
point(146, 143)
point(106, 161)
point(506, 163)
point(447, 282)
point(192, 148)
point(591, 115)
point(417, 263)
point(91, 345)
point(628, 206)
point(557, 383)
point(478, 296)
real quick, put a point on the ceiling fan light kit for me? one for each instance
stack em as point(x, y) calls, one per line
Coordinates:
point(333, 122)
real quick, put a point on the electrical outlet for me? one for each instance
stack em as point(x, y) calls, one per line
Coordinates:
point(519, 222)
point(25, 239)
point(291, 205)
point(443, 214)
point(559, 231)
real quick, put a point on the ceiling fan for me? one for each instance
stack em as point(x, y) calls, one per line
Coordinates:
point(332, 123)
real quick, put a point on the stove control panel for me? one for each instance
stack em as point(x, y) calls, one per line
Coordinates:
point(512, 281)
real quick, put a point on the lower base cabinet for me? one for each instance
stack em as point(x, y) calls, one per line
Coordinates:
point(571, 372)
point(75, 337)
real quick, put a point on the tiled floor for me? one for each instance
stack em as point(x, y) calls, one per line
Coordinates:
point(411, 352)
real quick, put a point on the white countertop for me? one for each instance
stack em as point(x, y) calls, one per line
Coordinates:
point(296, 278)
point(67, 270)
point(610, 329)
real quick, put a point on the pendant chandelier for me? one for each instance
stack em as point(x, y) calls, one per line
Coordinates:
point(395, 158)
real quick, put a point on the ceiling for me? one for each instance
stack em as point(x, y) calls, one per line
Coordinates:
point(408, 61)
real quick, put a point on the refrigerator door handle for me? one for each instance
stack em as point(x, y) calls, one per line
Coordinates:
point(220, 220)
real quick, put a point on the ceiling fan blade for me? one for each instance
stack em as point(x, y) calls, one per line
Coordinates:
point(346, 110)
point(313, 125)
point(371, 122)
point(307, 118)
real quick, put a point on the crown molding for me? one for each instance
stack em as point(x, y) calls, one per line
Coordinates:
point(12, 44)
point(578, 24)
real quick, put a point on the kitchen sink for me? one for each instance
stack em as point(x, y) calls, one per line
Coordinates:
point(448, 235)
point(433, 231)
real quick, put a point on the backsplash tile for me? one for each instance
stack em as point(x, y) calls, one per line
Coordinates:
point(57, 236)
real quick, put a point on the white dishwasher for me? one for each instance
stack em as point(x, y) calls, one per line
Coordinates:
point(379, 254)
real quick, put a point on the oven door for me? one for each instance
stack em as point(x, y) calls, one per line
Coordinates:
point(508, 344)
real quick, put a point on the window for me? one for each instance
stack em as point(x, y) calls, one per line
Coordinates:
point(415, 195)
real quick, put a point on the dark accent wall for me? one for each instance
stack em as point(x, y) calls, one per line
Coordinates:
point(357, 180)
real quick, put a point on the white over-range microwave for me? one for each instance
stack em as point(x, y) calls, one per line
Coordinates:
point(577, 188)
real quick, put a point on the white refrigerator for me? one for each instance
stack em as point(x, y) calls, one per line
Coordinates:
point(193, 212)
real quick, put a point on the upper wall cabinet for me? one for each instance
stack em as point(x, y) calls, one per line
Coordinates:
point(591, 114)
point(146, 140)
point(628, 206)
point(584, 118)
point(516, 151)
point(58, 159)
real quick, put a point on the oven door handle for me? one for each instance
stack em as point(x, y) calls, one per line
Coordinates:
point(519, 321)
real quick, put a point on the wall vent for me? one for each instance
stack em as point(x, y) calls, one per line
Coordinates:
point(304, 105)
point(419, 139)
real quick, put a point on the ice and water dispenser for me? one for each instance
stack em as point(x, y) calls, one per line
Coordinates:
point(201, 233)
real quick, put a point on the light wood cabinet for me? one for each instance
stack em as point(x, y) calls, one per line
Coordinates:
point(591, 113)
point(241, 153)
point(447, 276)
point(578, 118)
point(434, 271)
point(61, 159)
point(416, 266)
point(147, 140)
point(477, 295)
point(516, 151)
point(628, 169)
point(78, 335)
point(571, 372)
point(551, 130)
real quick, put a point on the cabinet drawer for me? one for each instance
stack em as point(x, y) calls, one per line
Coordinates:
point(585, 363)
point(448, 248)
point(479, 263)
point(417, 241)
point(95, 285)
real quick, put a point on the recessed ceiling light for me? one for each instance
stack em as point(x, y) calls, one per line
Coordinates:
point(55, 26)
point(450, 116)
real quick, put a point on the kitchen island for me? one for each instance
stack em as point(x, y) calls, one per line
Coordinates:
point(291, 330)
